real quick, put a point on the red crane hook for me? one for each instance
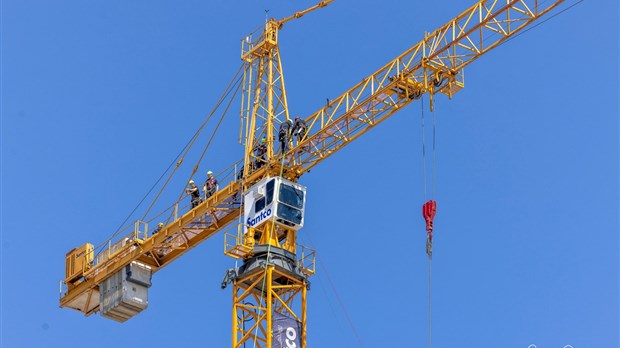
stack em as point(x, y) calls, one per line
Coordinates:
point(429, 209)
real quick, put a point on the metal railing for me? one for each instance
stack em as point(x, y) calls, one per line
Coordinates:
point(236, 247)
point(306, 260)
point(139, 234)
point(234, 243)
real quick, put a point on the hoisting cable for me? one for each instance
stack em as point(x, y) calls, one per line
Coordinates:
point(195, 169)
point(429, 208)
point(434, 159)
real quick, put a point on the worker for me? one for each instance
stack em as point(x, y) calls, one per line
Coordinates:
point(158, 228)
point(299, 128)
point(194, 192)
point(240, 174)
point(210, 186)
point(284, 134)
point(259, 152)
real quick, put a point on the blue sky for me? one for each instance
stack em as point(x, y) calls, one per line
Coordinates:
point(99, 97)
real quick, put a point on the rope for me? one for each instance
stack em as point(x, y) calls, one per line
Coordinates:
point(424, 179)
point(210, 140)
point(338, 298)
point(423, 150)
point(433, 170)
point(430, 308)
point(119, 229)
point(430, 259)
point(332, 310)
point(195, 137)
point(434, 159)
point(176, 160)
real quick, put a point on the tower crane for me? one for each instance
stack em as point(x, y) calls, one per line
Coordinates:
point(270, 287)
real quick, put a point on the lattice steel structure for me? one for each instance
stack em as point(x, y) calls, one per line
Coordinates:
point(434, 65)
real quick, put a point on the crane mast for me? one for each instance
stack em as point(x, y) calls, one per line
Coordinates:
point(264, 104)
point(271, 278)
point(270, 288)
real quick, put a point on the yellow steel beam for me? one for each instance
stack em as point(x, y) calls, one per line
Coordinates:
point(443, 53)
point(289, 299)
point(145, 251)
point(302, 13)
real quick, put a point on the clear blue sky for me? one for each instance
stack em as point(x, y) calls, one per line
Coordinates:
point(99, 96)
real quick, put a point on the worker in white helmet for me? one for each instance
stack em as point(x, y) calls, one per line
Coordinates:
point(211, 185)
point(194, 192)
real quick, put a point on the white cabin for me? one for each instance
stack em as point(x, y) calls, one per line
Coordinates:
point(276, 199)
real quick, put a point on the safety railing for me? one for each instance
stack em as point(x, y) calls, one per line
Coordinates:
point(173, 212)
point(237, 247)
point(249, 42)
point(306, 259)
point(253, 42)
point(138, 235)
point(234, 243)
point(126, 239)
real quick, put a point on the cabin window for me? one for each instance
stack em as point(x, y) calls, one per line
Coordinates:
point(269, 191)
point(259, 205)
point(289, 214)
point(291, 196)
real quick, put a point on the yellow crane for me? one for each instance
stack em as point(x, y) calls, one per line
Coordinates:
point(270, 287)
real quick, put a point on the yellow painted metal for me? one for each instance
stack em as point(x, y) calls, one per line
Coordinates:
point(269, 304)
point(304, 317)
point(443, 53)
point(301, 13)
point(257, 296)
point(307, 260)
point(264, 104)
point(177, 238)
point(434, 65)
point(78, 261)
point(235, 319)
point(290, 241)
point(240, 244)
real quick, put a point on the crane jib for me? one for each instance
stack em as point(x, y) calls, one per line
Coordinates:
point(433, 66)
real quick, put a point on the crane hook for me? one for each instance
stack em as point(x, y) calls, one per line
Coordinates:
point(429, 209)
